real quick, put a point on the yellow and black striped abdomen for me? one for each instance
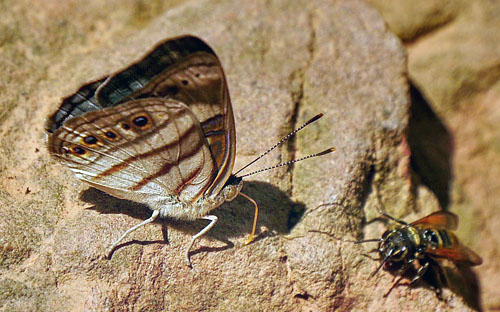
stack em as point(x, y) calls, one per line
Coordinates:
point(439, 238)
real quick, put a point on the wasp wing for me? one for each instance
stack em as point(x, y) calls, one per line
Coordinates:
point(439, 219)
point(459, 254)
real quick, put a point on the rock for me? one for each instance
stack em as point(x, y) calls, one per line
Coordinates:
point(410, 19)
point(454, 66)
point(285, 61)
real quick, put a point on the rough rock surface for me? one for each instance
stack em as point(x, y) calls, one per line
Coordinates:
point(285, 61)
point(456, 67)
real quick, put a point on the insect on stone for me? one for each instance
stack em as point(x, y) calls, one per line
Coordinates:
point(420, 245)
point(159, 132)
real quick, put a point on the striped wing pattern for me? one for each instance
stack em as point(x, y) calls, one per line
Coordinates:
point(161, 130)
point(143, 150)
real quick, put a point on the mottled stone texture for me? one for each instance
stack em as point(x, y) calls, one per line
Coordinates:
point(455, 134)
point(285, 61)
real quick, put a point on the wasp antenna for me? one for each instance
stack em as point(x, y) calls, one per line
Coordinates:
point(327, 151)
point(284, 139)
point(371, 240)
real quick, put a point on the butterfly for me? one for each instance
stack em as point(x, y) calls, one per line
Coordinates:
point(160, 132)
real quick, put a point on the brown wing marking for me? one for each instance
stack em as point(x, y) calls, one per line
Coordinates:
point(165, 169)
point(151, 153)
point(216, 136)
point(198, 81)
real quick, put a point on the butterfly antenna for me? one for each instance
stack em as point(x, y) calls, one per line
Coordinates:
point(327, 151)
point(284, 139)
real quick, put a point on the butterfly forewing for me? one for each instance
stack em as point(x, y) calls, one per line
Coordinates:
point(75, 105)
point(164, 57)
point(188, 70)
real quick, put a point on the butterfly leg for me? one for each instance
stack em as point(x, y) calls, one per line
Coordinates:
point(143, 223)
point(252, 235)
point(213, 219)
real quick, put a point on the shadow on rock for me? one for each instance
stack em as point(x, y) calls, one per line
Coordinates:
point(462, 280)
point(431, 147)
point(432, 150)
point(277, 213)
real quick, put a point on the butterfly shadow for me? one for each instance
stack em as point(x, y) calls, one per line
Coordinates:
point(277, 215)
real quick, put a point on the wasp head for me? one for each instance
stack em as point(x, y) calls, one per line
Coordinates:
point(396, 247)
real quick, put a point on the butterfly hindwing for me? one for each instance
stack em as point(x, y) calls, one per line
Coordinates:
point(172, 158)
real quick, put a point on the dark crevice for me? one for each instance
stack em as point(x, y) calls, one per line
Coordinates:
point(431, 146)
point(366, 189)
point(427, 30)
point(297, 96)
point(304, 296)
point(296, 87)
point(367, 185)
point(432, 149)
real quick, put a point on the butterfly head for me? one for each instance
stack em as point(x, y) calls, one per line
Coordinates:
point(232, 187)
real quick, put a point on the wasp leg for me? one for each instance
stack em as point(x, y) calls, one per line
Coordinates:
point(401, 274)
point(394, 285)
point(420, 273)
point(393, 219)
point(377, 195)
point(439, 283)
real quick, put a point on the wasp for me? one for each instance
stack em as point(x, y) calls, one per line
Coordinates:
point(417, 246)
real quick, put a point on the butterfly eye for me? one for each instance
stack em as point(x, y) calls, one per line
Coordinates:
point(90, 140)
point(142, 122)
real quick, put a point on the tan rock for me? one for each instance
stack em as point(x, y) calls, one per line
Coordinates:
point(455, 66)
point(285, 61)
